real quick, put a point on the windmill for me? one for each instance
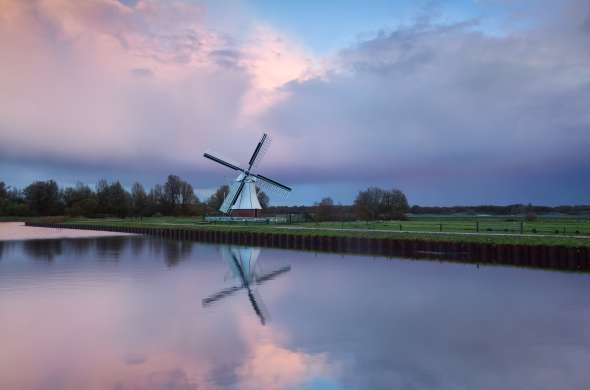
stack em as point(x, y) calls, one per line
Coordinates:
point(242, 265)
point(242, 199)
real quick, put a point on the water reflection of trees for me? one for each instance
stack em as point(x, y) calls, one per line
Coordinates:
point(173, 252)
point(176, 251)
point(78, 247)
point(138, 245)
point(110, 248)
point(45, 250)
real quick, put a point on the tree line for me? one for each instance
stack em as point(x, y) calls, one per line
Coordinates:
point(175, 197)
point(371, 204)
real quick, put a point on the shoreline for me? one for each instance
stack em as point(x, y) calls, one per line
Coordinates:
point(557, 257)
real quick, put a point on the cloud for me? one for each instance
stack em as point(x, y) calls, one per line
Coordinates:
point(446, 101)
point(147, 86)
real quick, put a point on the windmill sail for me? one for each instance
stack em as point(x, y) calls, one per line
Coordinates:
point(272, 186)
point(260, 151)
point(242, 262)
point(243, 194)
point(234, 191)
point(222, 162)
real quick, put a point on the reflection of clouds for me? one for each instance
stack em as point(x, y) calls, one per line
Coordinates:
point(397, 324)
point(354, 322)
point(269, 363)
point(270, 366)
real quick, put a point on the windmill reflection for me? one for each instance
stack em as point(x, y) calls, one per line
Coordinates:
point(245, 272)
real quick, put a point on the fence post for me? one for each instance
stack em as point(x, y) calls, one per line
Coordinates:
point(440, 228)
point(521, 227)
point(477, 226)
point(400, 227)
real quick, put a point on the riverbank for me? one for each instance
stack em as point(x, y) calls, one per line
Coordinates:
point(473, 249)
point(456, 230)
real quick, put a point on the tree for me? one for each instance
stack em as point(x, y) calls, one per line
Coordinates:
point(156, 200)
point(3, 191)
point(112, 199)
point(214, 202)
point(375, 203)
point(119, 200)
point(325, 209)
point(79, 200)
point(179, 196)
point(172, 190)
point(368, 203)
point(72, 195)
point(187, 194)
point(139, 199)
point(189, 202)
point(3, 197)
point(395, 204)
point(102, 196)
point(43, 198)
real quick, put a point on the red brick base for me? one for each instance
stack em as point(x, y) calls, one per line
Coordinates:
point(251, 213)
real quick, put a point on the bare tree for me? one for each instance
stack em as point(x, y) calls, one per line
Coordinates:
point(325, 209)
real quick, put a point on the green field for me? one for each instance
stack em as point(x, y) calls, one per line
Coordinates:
point(499, 225)
point(563, 231)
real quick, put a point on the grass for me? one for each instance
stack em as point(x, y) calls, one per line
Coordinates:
point(547, 226)
point(492, 230)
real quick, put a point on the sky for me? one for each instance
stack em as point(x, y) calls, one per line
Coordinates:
point(453, 102)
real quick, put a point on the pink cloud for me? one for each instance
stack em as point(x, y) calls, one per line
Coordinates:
point(99, 80)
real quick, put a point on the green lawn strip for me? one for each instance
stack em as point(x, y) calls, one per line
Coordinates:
point(172, 223)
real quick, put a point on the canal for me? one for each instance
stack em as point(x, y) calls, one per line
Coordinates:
point(88, 310)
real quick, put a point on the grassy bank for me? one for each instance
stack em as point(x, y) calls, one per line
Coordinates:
point(456, 230)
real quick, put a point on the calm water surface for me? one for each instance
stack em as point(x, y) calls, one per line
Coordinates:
point(131, 312)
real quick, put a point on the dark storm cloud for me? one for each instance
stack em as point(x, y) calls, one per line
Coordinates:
point(443, 111)
point(449, 102)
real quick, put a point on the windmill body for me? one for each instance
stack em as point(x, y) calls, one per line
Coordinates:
point(247, 204)
point(242, 199)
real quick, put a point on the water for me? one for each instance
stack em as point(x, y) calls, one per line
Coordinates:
point(128, 312)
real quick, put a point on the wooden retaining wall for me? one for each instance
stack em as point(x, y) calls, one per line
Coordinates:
point(542, 256)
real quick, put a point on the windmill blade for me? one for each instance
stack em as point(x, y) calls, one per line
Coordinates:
point(232, 196)
point(273, 274)
point(221, 294)
point(272, 186)
point(258, 306)
point(260, 151)
point(220, 161)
